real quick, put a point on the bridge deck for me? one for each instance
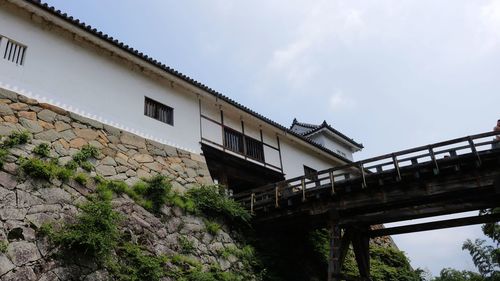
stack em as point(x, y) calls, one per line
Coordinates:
point(446, 177)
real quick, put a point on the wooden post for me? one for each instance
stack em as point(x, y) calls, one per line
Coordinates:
point(335, 262)
point(396, 166)
point(473, 149)
point(276, 195)
point(303, 189)
point(339, 245)
point(433, 157)
point(363, 184)
point(361, 246)
point(252, 201)
point(332, 182)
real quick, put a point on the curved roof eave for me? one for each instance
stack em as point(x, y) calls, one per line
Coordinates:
point(157, 64)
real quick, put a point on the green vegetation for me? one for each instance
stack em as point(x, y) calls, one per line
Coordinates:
point(188, 269)
point(133, 264)
point(81, 178)
point(186, 245)
point(87, 166)
point(42, 150)
point(95, 232)
point(213, 203)
point(448, 274)
point(15, 138)
point(150, 194)
point(3, 246)
point(3, 154)
point(154, 193)
point(387, 263)
point(212, 227)
point(85, 153)
point(50, 169)
point(485, 255)
point(44, 169)
point(247, 256)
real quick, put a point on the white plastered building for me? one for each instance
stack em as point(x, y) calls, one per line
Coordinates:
point(52, 57)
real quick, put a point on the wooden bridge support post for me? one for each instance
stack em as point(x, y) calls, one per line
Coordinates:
point(339, 244)
point(361, 246)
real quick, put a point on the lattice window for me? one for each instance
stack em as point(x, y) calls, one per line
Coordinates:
point(158, 111)
point(13, 51)
point(237, 142)
point(310, 173)
point(233, 140)
point(254, 149)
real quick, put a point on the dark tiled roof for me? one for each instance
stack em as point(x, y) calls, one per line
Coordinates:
point(76, 22)
point(314, 128)
point(305, 125)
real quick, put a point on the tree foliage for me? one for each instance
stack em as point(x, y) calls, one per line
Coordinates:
point(486, 257)
point(449, 274)
point(387, 263)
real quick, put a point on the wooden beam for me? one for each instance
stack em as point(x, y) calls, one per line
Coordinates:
point(435, 225)
point(473, 203)
point(361, 247)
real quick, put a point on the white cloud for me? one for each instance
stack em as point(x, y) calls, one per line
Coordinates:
point(339, 101)
point(490, 19)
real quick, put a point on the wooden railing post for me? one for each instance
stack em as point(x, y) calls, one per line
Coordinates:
point(276, 195)
point(252, 201)
point(396, 166)
point(363, 184)
point(335, 262)
point(433, 157)
point(303, 189)
point(332, 182)
point(474, 150)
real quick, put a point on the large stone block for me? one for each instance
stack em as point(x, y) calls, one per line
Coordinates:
point(22, 252)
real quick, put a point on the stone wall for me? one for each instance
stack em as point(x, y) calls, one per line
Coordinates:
point(25, 204)
point(124, 156)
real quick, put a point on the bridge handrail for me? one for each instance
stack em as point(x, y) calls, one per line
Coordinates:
point(358, 168)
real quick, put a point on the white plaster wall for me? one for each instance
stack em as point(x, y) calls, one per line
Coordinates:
point(295, 156)
point(333, 145)
point(59, 71)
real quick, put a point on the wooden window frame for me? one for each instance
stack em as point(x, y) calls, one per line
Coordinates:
point(243, 143)
point(310, 173)
point(13, 51)
point(154, 111)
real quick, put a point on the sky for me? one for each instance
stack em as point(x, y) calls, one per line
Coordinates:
point(391, 74)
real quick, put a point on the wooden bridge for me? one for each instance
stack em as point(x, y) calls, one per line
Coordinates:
point(443, 178)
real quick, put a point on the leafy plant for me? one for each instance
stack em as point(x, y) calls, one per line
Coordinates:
point(212, 201)
point(3, 246)
point(448, 274)
point(87, 166)
point(42, 169)
point(81, 178)
point(134, 264)
point(3, 155)
point(95, 232)
point(486, 257)
point(387, 263)
point(189, 269)
point(157, 190)
point(186, 245)
point(181, 201)
point(85, 153)
point(16, 138)
point(42, 149)
point(212, 227)
point(37, 168)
